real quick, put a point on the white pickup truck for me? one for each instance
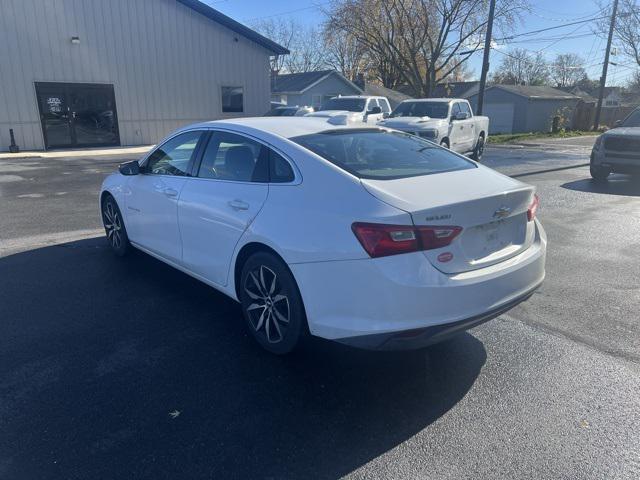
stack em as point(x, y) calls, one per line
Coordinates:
point(353, 110)
point(447, 121)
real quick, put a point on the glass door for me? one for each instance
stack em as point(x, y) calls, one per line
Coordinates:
point(78, 115)
point(54, 115)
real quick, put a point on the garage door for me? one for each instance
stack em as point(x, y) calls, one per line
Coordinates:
point(500, 117)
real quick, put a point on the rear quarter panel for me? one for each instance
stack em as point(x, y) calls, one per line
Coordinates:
point(311, 221)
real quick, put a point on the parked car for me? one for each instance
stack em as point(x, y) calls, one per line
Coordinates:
point(447, 121)
point(616, 151)
point(287, 111)
point(366, 236)
point(354, 109)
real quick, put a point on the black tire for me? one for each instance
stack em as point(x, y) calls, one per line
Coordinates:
point(444, 143)
point(599, 174)
point(271, 303)
point(478, 150)
point(114, 227)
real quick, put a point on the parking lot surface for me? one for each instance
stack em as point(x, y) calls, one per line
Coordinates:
point(127, 368)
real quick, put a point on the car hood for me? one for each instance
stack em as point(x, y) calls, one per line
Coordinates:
point(331, 113)
point(623, 132)
point(412, 122)
point(338, 117)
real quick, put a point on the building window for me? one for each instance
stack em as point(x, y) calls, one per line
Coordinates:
point(232, 99)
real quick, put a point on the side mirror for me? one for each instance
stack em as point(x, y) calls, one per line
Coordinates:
point(129, 168)
point(617, 124)
point(460, 116)
point(374, 111)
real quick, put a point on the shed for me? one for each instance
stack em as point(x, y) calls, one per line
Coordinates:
point(524, 108)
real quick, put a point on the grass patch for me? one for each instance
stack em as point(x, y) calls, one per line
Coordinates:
point(519, 137)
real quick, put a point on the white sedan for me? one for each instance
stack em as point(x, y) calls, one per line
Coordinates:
point(367, 236)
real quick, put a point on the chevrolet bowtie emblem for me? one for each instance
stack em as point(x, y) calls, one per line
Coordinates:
point(502, 212)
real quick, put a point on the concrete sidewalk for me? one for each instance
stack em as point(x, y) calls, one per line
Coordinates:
point(89, 152)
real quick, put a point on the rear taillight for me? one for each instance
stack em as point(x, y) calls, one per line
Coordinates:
point(381, 240)
point(533, 208)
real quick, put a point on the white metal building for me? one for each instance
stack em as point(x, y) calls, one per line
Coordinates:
point(77, 73)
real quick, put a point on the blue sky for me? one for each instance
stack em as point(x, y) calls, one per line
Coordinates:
point(545, 13)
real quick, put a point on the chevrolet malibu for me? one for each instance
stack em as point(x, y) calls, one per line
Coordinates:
point(368, 236)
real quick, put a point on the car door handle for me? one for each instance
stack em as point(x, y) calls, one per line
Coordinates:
point(170, 192)
point(238, 205)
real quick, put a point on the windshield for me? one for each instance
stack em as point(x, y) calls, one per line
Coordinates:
point(380, 154)
point(349, 104)
point(422, 109)
point(632, 120)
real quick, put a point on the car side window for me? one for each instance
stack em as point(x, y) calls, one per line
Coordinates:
point(384, 105)
point(372, 103)
point(280, 170)
point(455, 110)
point(229, 156)
point(174, 156)
point(464, 107)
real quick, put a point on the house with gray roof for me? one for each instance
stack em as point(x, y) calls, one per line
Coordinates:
point(310, 88)
point(525, 108)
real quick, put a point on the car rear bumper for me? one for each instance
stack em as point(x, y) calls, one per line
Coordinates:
point(422, 337)
point(402, 301)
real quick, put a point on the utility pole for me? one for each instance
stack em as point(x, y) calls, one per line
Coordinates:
point(485, 59)
point(605, 66)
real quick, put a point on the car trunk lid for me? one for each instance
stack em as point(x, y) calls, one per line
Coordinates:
point(491, 209)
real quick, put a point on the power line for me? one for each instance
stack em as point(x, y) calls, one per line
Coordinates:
point(548, 29)
point(318, 5)
point(565, 19)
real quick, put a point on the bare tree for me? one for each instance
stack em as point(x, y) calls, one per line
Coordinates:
point(344, 53)
point(567, 70)
point(422, 41)
point(627, 27)
point(304, 43)
point(633, 84)
point(519, 67)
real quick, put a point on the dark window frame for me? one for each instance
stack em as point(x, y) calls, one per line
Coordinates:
point(195, 154)
point(222, 103)
point(264, 150)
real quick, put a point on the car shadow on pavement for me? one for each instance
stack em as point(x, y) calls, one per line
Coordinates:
point(615, 185)
point(127, 368)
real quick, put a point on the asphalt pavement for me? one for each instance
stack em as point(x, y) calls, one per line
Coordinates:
point(127, 368)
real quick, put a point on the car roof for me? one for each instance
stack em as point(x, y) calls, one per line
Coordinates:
point(443, 100)
point(287, 127)
point(357, 96)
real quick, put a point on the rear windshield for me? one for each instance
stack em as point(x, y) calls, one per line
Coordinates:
point(349, 104)
point(422, 109)
point(381, 154)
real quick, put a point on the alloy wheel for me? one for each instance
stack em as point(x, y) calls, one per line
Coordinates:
point(113, 225)
point(269, 312)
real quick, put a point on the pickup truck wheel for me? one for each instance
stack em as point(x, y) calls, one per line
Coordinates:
point(444, 143)
point(599, 174)
point(479, 150)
